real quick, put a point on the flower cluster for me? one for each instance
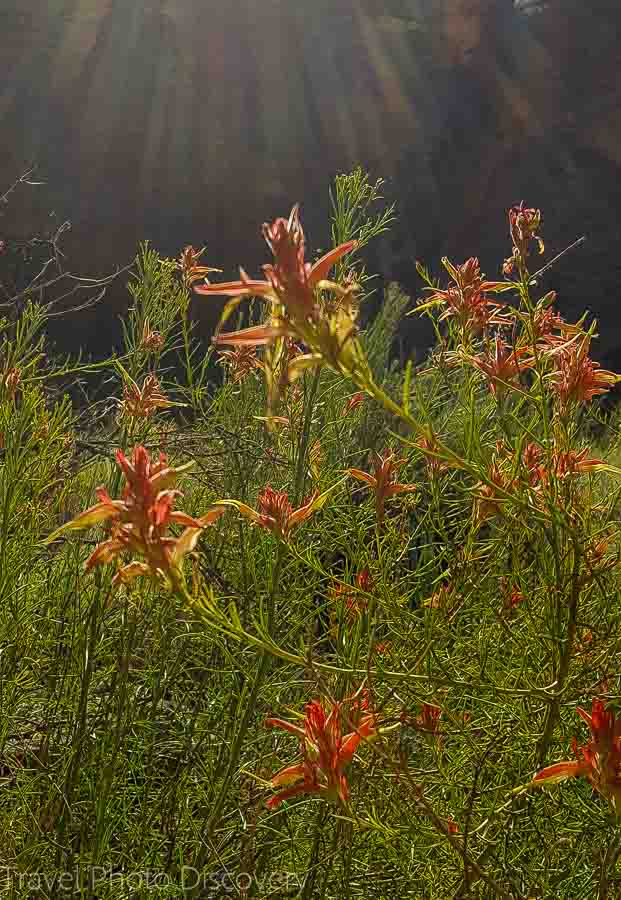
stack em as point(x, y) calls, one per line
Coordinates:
point(275, 513)
point(383, 482)
point(599, 760)
point(325, 750)
point(140, 520)
point(141, 403)
point(467, 299)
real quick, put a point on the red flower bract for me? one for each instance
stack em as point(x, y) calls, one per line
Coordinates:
point(326, 751)
point(599, 760)
point(141, 518)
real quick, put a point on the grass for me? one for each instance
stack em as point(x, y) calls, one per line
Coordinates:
point(134, 756)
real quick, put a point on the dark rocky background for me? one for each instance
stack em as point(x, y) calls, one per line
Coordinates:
point(191, 121)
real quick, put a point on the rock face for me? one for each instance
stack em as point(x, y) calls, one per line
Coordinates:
point(532, 112)
point(192, 122)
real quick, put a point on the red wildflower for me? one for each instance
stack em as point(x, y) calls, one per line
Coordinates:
point(577, 378)
point(502, 365)
point(141, 403)
point(599, 760)
point(326, 751)
point(451, 826)
point(430, 449)
point(490, 494)
point(429, 718)
point(151, 341)
point(141, 518)
point(524, 222)
point(353, 403)
point(241, 362)
point(354, 600)
point(383, 482)
point(11, 382)
point(274, 510)
point(467, 298)
point(190, 269)
point(289, 280)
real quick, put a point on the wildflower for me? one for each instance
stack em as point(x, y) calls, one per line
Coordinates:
point(241, 362)
point(502, 365)
point(577, 378)
point(489, 498)
point(599, 761)
point(289, 280)
point(353, 599)
point(429, 447)
point(11, 381)
point(532, 459)
point(325, 750)
point(428, 718)
point(451, 826)
point(188, 264)
point(141, 403)
point(141, 518)
point(276, 514)
point(467, 299)
point(512, 596)
point(353, 403)
point(383, 482)
point(524, 222)
point(151, 341)
point(440, 597)
point(575, 462)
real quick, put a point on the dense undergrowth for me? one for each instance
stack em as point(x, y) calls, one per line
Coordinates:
point(338, 672)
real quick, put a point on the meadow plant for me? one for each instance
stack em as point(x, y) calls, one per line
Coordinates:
point(410, 577)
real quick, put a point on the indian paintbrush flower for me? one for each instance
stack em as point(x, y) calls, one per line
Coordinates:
point(141, 403)
point(576, 378)
point(289, 280)
point(241, 361)
point(599, 760)
point(325, 750)
point(383, 483)
point(502, 365)
point(275, 513)
point(467, 300)
point(140, 520)
point(524, 223)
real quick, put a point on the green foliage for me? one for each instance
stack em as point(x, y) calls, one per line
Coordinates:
point(133, 746)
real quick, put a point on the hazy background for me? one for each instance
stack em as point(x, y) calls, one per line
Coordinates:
point(191, 121)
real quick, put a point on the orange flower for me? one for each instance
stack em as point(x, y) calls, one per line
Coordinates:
point(429, 718)
point(141, 403)
point(466, 299)
point(241, 361)
point(141, 518)
point(188, 264)
point(353, 403)
point(524, 222)
point(502, 366)
point(274, 510)
point(451, 826)
point(289, 281)
point(11, 381)
point(326, 751)
point(151, 341)
point(577, 378)
point(599, 761)
point(489, 498)
point(429, 447)
point(354, 601)
point(383, 483)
